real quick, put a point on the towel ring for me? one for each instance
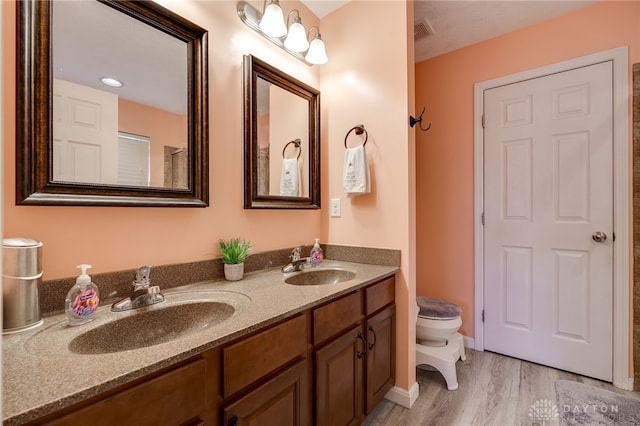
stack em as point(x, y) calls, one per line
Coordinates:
point(297, 144)
point(359, 130)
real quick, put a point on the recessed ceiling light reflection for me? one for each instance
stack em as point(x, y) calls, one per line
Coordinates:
point(112, 82)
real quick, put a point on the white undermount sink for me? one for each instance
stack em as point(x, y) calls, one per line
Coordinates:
point(183, 313)
point(320, 277)
point(151, 327)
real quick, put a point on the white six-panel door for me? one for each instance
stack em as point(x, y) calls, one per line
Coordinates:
point(85, 134)
point(548, 190)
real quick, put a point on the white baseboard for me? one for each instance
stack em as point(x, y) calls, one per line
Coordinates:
point(469, 342)
point(402, 397)
point(625, 384)
point(408, 398)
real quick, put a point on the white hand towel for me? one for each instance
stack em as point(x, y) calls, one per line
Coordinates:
point(290, 177)
point(355, 177)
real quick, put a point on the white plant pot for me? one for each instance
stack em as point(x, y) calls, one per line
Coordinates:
point(233, 272)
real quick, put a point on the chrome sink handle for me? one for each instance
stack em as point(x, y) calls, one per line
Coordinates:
point(143, 276)
point(296, 262)
point(295, 254)
point(142, 292)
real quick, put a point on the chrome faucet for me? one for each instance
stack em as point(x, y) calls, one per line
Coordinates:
point(142, 292)
point(296, 263)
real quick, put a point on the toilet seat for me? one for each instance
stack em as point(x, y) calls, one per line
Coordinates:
point(438, 342)
point(437, 309)
point(437, 321)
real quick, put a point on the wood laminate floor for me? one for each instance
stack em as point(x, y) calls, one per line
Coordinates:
point(493, 390)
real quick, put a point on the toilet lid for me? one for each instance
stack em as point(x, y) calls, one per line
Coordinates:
point(437, 308)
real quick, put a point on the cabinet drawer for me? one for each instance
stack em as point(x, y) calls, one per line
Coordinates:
point(379, 295)
point(283, 400)
point(335, 317)
point(177, 397)
point(252, 358)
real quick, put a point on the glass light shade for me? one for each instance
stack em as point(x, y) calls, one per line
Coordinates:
point(317, 53)
point(272, 22)
point(296, 38)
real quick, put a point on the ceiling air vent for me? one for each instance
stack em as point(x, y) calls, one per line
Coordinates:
point(422, 28)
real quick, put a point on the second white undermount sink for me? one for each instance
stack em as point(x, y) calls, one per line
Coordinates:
point(320, 277)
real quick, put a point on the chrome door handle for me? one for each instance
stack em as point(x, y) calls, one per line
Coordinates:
point(599, 237)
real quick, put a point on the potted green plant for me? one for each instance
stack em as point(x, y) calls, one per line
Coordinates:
point(234, 251)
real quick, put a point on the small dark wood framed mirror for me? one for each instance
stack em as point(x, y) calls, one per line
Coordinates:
point(81, 142)
point(281, 139)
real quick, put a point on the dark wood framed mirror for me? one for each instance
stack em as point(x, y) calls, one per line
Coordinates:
point(72, 146)
point(281, 139)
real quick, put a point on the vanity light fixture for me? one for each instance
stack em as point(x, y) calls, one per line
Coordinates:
point(293, 40)
point(272, 21)
point(111, 82)
point(296, 36)
point(316, 53)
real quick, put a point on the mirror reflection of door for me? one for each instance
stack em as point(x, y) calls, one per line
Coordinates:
point(282, 117)
point(175, 167)
point(85, 134)
point(89, 41)
point(263, 170)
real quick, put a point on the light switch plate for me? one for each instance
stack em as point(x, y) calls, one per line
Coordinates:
point(335, 207)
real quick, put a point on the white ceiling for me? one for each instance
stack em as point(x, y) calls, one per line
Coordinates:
point(462, 23)
point(322, 8)
point(457, 23)
point(92, 40)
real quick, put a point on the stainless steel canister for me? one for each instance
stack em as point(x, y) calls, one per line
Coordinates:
point(21, 275)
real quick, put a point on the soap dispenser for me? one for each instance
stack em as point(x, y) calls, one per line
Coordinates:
point(317, 255)
point(82, 300)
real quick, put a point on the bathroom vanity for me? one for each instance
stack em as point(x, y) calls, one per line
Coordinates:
point(290, 354)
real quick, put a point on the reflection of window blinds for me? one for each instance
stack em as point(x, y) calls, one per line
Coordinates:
point(133, 159)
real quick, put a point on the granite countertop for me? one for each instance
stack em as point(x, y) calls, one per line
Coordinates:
point(40, 374)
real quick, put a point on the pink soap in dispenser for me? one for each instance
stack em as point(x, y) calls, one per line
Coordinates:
point(317, 255)
point(82, 300)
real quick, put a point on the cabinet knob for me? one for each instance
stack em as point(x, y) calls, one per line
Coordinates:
point(361, 354)
point(371, 345)
point(232, 420)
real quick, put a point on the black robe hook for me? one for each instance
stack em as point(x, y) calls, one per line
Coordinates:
point(418, 121)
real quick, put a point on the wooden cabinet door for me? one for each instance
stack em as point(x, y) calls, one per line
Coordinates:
point(381, 360)
point(339, 376)
point(282, 401)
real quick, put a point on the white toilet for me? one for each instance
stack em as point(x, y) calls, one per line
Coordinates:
point(438, 342)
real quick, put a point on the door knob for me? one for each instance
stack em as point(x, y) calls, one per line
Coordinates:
point(599, 237)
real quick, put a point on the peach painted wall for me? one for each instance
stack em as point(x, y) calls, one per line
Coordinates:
point(445, 154)
point(162, 128)
point(117, 238)
point(371, 87)
point(289, 121)
point(368, 86)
